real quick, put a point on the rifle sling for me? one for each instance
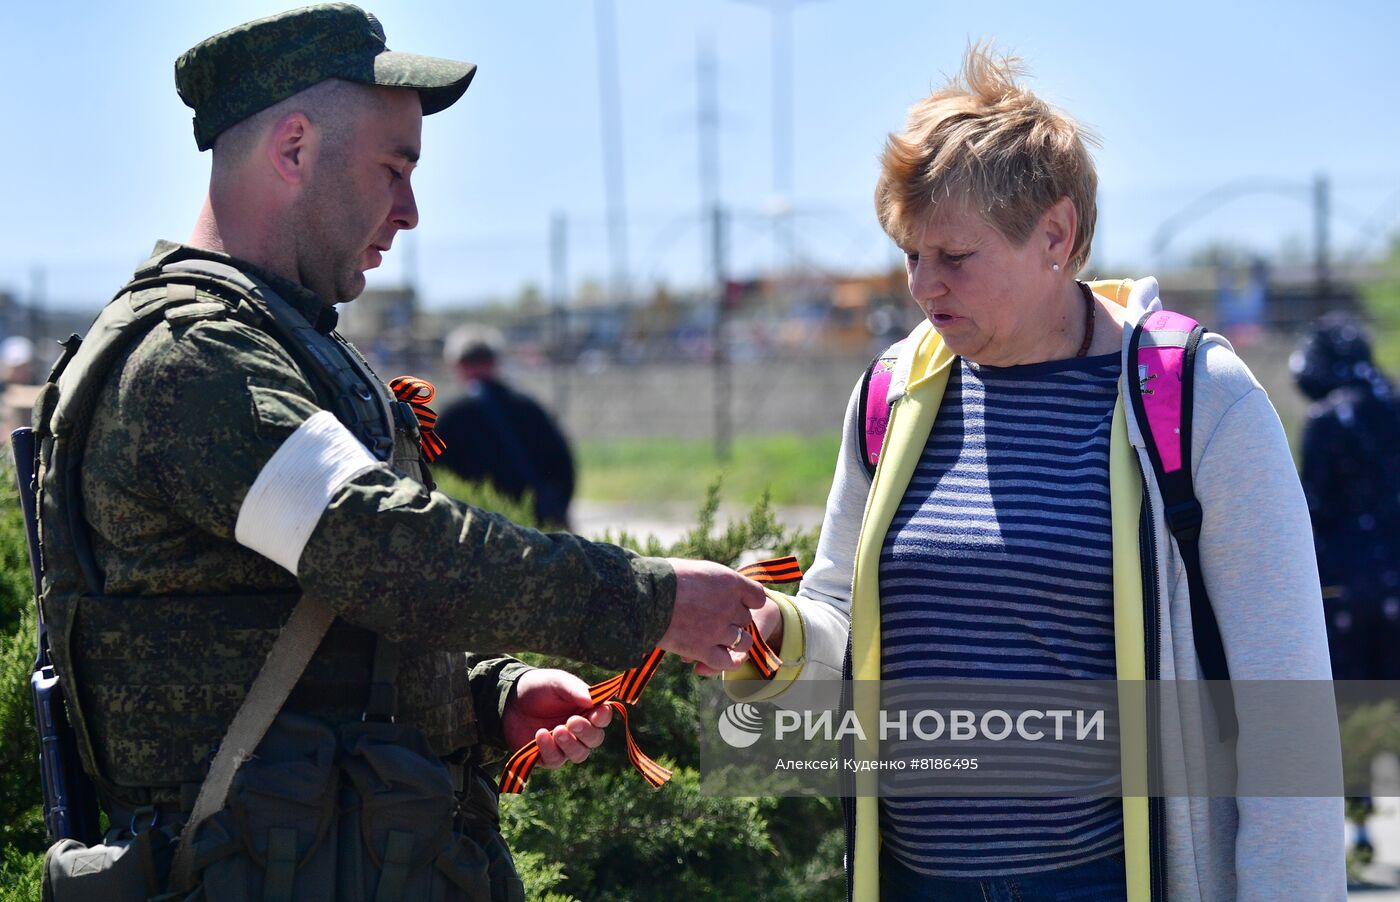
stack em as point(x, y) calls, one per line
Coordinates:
point(285, 663)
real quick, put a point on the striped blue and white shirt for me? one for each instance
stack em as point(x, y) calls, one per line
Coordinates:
point(998, 565)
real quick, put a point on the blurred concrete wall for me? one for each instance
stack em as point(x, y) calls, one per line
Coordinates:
point(806, 397)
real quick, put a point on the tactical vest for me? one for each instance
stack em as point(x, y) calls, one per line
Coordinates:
point(198, 653)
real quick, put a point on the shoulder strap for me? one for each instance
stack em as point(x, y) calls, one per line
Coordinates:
point(873, 408)
point(64, 406)
point(1162, 363)
point(285, 663)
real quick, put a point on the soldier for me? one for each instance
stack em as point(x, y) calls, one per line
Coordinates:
point(214, 457)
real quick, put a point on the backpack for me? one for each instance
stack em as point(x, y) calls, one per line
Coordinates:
point(1162, 355)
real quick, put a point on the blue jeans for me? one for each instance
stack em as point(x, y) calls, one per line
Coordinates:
point(1103, 880)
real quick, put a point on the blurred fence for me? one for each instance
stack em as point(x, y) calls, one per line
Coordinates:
point(806, 393)
point(806, 397)
point(634, 372)
point(783, 395)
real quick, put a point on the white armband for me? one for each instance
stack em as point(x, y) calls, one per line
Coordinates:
point(296, 486)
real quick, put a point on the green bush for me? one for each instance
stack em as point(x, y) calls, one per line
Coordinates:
point(21, 823)
point(19, 876)
point(484, 496)
point(21, 819)
point(618, 839)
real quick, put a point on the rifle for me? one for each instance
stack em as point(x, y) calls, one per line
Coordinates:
point(70, 800)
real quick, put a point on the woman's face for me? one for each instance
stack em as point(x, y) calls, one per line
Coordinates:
point(988, 298)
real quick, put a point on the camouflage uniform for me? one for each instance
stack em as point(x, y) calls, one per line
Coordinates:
point(181, 431)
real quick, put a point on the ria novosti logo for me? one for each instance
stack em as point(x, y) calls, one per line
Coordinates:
point(741, 725)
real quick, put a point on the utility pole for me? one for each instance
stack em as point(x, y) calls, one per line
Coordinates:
point(724, 429)
point(559, 296)
point(610, 101)
point(785, 243)
point(37, 277)
point(1322, 265)
point(784, 235)
point(708, 134)
point(713, 214)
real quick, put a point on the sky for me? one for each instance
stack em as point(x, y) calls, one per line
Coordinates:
point(1189, 99)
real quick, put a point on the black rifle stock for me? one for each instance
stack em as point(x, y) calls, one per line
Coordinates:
point(70, 800)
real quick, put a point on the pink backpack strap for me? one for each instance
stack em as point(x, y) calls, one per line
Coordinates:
point(1162, 357)
point(874, 413)
point(1163, 385)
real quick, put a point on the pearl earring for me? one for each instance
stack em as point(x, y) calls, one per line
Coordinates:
point(1054, 267)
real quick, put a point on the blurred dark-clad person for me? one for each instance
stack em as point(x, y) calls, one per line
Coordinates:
point(496, 434)
point(1351, 475)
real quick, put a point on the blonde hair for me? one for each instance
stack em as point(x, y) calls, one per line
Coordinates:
point(985, 138)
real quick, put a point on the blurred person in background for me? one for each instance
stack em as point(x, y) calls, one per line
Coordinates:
point(1351, 476)
point(987, 542)
point(498, 435)
point(17, 377)
point(17, 361)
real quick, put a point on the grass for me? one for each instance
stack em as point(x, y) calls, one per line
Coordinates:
point(1382, 300)
point(794, 470)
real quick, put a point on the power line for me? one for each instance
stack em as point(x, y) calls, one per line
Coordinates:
point(784, 238)
point(610, 102)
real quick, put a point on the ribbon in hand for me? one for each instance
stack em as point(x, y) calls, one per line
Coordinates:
point(626, 688)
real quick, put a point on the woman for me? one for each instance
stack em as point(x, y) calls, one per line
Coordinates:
point(1009, 496)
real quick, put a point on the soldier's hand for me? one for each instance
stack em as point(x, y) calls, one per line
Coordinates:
point(713, 605)
point(553, 708)
point(769, 620)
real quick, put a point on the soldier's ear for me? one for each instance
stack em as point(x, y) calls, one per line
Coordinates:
point(288, 147)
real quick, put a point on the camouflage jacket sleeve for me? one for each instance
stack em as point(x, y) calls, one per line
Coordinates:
point(493, 679)
point(212, 402)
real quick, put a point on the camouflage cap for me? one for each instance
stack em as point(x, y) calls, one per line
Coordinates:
point(239, 72)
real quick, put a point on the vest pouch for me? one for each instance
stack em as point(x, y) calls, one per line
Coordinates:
point(479, 821)
point(273, 841)
point(114, 871)
point(397, 836)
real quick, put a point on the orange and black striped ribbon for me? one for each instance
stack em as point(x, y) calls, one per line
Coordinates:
point(418, 392)
point(626, 688)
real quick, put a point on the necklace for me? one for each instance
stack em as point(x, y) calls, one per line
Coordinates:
point(1088, 319)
